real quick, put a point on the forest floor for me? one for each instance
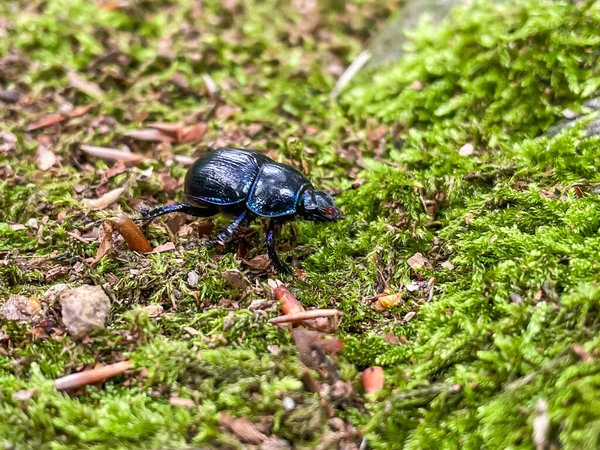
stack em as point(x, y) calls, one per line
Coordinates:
point(477, 216)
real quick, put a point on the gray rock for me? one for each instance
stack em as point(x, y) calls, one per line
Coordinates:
point(84, 309)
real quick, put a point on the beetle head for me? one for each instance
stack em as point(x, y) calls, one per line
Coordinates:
point(319, 206)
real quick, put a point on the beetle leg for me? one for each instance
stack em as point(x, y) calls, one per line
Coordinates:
point(225, 236)
point(279, 265)
point(182, 208)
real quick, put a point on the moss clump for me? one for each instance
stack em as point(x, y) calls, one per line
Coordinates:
point(513, 316)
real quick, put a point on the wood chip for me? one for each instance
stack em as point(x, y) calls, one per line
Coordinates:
point(97, 375)
point(183, 402)
point(112, 154)
point(418, 260)
point(243, 429)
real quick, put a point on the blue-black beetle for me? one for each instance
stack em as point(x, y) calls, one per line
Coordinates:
point(245, 184)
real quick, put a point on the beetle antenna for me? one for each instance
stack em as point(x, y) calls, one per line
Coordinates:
point(351, 188)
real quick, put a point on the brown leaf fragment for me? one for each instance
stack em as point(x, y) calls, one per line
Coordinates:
point(373, 379)
point(47, 121)
point(581, 352)
point(243, 429)
point(193, 133)
point(44, 158)
point(391, 338)
point(309, 340)
point(183, 402)
point(77, 380)
point(104, 201)
point(260, 263)
point(21, 309)
point(84, 309)
point(418, 260)
point(168, 247)
point(87, 87)
point(191, 331)
point(112, 154)
point(81, 110)
point(386, 302)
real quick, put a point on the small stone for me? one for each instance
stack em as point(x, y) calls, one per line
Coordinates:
point(569, 114)
point(516, 298)
point(154, 310)
point(235, 278)
point(409, 316)
point(33, 223)
point(448, 265)
point(84, 309)
point(193, 278)
point(336, 424)
point(466, 150)
point(288, 404)
point(10, 96)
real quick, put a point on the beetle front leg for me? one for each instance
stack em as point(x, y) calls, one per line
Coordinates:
point(279, 265)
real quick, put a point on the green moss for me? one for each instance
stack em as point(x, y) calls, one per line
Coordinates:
point(518, 219)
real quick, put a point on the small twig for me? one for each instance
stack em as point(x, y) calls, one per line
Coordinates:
point(350, 72)
point(306, 315)
point(86, 377)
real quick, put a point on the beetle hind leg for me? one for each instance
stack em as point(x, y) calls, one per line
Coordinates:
point(181, 207)
point(279, 265)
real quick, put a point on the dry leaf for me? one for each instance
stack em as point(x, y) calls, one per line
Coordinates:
point(47, 121)
point(80, 110)
point(243, 429)
point(87, 87)
point(418, 260)
point(386, 302)
point(105, 201)
point(44, 158)
point(373, 379)
point(112, 154)
point(128, 229)
point(260, 263)
point(169, 246)
point(193, 133)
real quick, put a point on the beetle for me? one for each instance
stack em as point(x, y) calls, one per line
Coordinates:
point(246, 185)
